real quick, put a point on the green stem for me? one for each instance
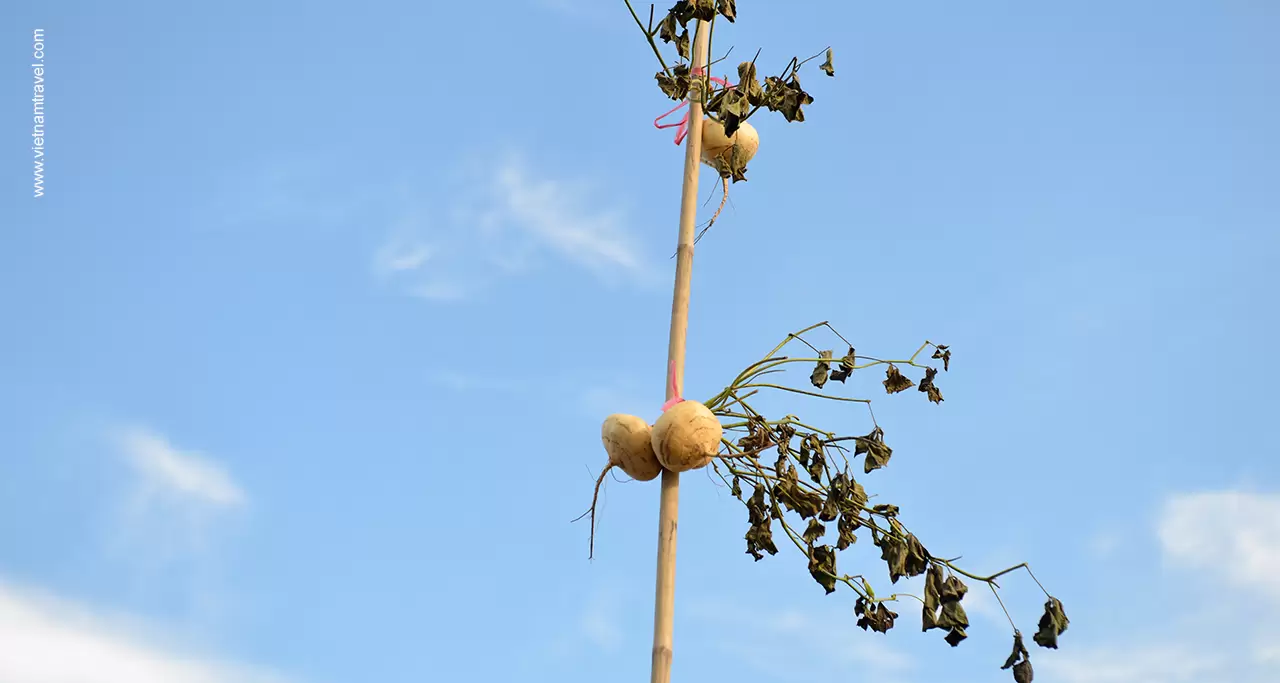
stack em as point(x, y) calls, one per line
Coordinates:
point(806, 393)
point(649, 37)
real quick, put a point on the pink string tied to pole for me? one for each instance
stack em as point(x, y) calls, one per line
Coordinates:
point(675, 389)
point(682, 126)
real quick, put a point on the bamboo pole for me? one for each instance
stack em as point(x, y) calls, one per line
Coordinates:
point(669, 509)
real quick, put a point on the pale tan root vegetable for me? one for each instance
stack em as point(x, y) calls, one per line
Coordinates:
point(687, 437)
point(717, 145)
point(627, 440)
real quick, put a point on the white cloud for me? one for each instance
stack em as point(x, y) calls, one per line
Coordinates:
point(1166, 664)
point(395, 257)
point(552, 213)
point(184, 475)
point(50, 640)
point(601, 621)
point(801, 645)
point(1231, 540)
point(1233, 534)
point(509, 221)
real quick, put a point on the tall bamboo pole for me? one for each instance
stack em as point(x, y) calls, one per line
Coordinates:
point(669, 510)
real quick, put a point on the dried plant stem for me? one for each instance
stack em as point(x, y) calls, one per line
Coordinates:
point(668, 512)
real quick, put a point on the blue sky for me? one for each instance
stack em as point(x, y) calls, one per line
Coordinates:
point(307, 345)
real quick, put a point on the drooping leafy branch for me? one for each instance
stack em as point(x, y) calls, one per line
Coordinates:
point(809, 487)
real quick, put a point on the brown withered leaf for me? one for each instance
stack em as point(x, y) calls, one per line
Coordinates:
point(941, 351)
point(927, 385)
point(1019, 660)
point(675, 85)
point(1052, 623)
point(682, 44)
point(827, 67)
point(874, 616)
point(846, 526)
point(822, 370)
point(814, 532)
point(822, 566)
point(728, 9)
point(846, 366)
point(932, 584)
point(817, 457)
point(667, 28)
point(786, 97)
point(873, 446)
point(895, 381)
point(749, 84)
point(952, 590)
point(687, 10)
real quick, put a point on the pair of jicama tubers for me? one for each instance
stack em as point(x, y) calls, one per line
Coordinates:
point(686, 437)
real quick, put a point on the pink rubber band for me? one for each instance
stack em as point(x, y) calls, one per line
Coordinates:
point(675, 390)
point(682, 127)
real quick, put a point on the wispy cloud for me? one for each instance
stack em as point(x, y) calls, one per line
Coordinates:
point(801, 645)
point(1234, 535)
point(514, 220)
point(52, 640)
point(1231, 539)
point(170, 472)
point(1163, 664)
point(601, 622)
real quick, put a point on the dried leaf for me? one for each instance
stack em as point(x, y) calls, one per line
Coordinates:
point(955, 636)
point(932, 584)
point(895, 381)
point(1019, 660)
point(827, 67)
point(760, 536)
point(927, 386)
point(797, 499)
point(687, 10)
point(917, 561)
point(818, 460)
point(830, 511)
point(667, 28)
point(676, 85)
point(952, 590)
point(953, 616)
point(822, 566)
point(846, 367)
point(814, 532)
point(1052, 623)
point(873, 446)
point(728, 9)
point(749, 86)
point(874, 616)
point(786, 97)
point(846, 526)
point(682, 44)
point(822, 370)
point(945, 354)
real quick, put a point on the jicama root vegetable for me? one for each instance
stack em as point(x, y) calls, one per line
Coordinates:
point(627, 440)
point(718, 148)
point(687, 437)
